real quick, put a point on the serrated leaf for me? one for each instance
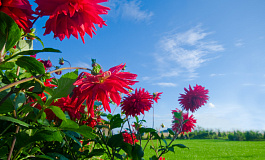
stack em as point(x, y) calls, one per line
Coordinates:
point(11, 119)
point(31, 65)
point(9, 32)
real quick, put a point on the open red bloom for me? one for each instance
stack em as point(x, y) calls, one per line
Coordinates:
point(20, 11)
point(193, 98)
point(187, 126)
point(70, 17)
point(137, 103)
point(69, 105)
point(103, 87)
point(128, 138)
point(156, 96)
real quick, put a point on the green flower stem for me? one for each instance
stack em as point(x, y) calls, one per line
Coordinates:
point(109, 154)
point(37, 77)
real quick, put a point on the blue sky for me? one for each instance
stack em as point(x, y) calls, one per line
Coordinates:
point(217, 44)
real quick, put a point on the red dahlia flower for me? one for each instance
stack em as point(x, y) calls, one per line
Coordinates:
point(20, 11)
point(103, 87)
point(70, 17)
point(194, 98)
point(128, 138)
point(156, 96)
point(137, 103)
point(68, 105)
point(187, 127)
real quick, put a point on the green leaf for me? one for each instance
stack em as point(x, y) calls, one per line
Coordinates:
point(164, 141)
point(127, 148)
point(178, 115)
point(7, 65)
point(58, 112)
point(20, 99)
point(153, 158)
point(7, 106)
point(44, 157)
point(24, 45)
point(31, 65)
point(185, 121)
point(116, 121)
point(171, 149)
point(70, 134)
point(33, 52)
point(171, 131)
point(115, 140)
point(68, 124)
point(146, 130)
point(11, 119)
point(9, 32)
point(65, 86)
point(36, 37)
point(46, 135)
point(86, 131)
point(180, 146)
point(137, 152)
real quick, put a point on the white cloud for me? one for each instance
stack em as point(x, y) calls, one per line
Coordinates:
point(165, 84)
point(186, 51)
point(215, 75)
point(211, 105)
point(130, 9)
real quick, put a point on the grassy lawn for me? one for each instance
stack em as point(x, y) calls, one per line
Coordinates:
point(213, 149)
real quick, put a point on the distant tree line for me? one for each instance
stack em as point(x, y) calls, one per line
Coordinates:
point(237, 135)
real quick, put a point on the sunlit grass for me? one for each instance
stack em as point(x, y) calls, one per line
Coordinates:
point(214, 149)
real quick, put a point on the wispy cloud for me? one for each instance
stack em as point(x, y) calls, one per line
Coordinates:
point(215, 75)
point(130, 10)
point(211, 105)
point(239, 43)
point(186, 51)
point(166, 84)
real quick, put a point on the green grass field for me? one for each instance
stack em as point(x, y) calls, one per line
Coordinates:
point(210, 149)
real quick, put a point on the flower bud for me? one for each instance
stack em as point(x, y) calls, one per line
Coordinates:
point(61, 61)
point(47, 64)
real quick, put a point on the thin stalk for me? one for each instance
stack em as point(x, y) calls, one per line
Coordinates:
point(13, 144)
point(109, 154)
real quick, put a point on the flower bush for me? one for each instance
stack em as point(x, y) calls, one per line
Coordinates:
point(43, 117)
